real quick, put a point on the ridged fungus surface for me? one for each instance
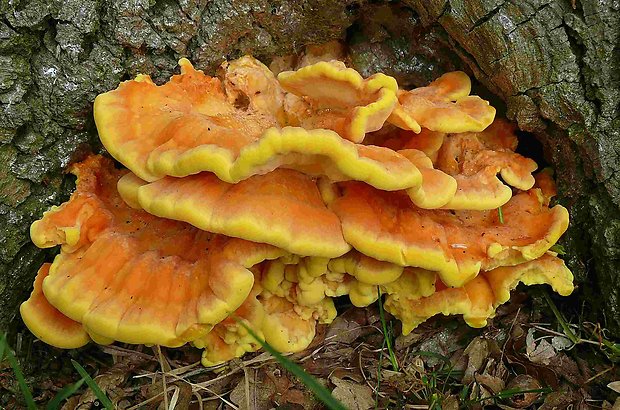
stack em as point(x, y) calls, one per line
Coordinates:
point(257, 199)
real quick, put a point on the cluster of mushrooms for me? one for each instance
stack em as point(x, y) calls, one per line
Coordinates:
point(258, 198)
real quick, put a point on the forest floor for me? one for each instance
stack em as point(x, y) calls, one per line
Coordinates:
point(524, 358)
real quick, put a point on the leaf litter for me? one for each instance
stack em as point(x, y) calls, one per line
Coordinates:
point(516, 362)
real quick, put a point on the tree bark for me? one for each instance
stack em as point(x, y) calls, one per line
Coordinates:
point(553, 63)
point(556, 64)
point(56, 56)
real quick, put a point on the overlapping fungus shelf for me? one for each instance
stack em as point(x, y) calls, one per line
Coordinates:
point(254, 198)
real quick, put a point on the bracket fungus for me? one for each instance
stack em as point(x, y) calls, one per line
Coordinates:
point(444, 105)
point(415, 294)
point(457, 244)
point(257, 199)
point(189, 125)
point(475, 160)
point(477, 299)
point(108, 285)
point(48, 323)
point(282, 208)
point(339, 98)
point(229, 339)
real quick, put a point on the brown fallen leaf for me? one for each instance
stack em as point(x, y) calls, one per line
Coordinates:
point(253, 391)
point(403, 342)
point(288, 390)
point(615, 386)
point(344, 330)
point(71, 403)
point(354, 396)
point(185, 395)
point(568, 369)
point(323, 363)
point(350, 374)
point(481, 395)
point(523, 382)
point(443, 341)
point(608, 406)
point(492, 383)
point(477, 353)
point(450, 403)
point(539, 351)
point(521, 364)
point(109, 383)
point(563, 400)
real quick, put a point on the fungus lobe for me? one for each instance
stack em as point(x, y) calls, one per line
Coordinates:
point(260, 199)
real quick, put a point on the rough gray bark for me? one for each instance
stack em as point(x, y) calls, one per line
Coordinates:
point(552, 62)
point(56, 56)
point(556, 64)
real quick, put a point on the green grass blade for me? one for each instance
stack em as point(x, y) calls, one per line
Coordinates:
point(310, 382)
point(386, 335)
point(505, 394)
point(464, 393)
point(3, 346)
point(64, 394)
point(614, 349)
point(559, 249)
point(19, 375)
point(560, 317)
point(379, 376)
point(434, 355)
point(105, 401)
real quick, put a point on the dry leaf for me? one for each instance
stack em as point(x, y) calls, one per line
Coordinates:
point(450, 403)
point(561, 343)
point(403, 342)
point(350, 374)
point(495, 384)
point(523, 382)
point(479, 392)
point(477, 352)
point(521, 364)
point(352, 395)
point(564, 399)
point(323, 363)
point(615, 386)
point(343, 330)
point(185, 395)
point(608, 406)
point(71, 403)
point(251, 393)
point(569, 370)
point(542, 352)
point(443, 342)
point(108, 382)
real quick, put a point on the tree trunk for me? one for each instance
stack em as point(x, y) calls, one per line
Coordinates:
point(552, 63)
point(556, 65)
